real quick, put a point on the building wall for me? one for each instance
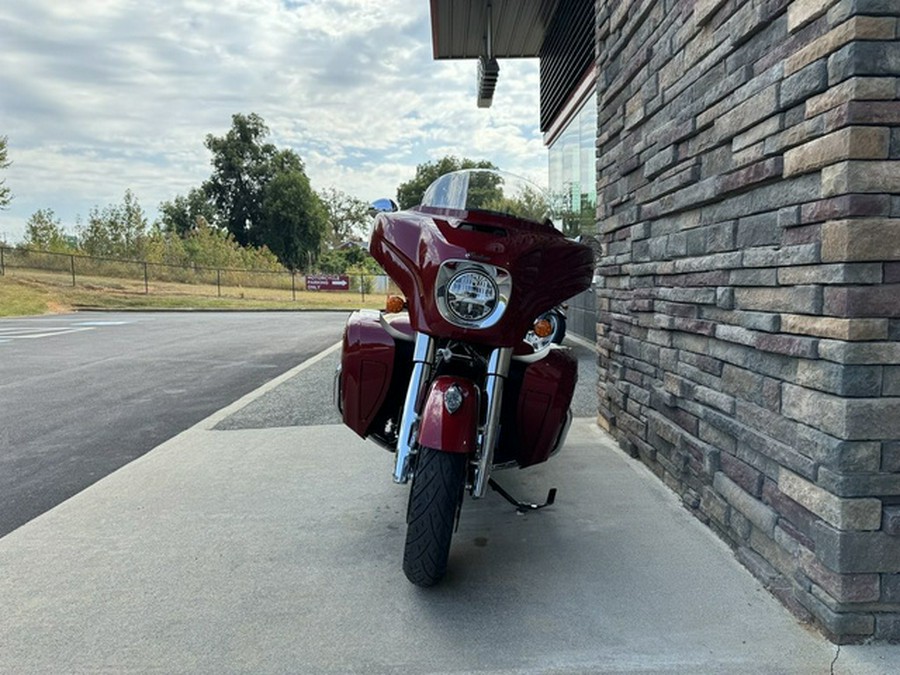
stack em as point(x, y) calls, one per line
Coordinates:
point(749, 310)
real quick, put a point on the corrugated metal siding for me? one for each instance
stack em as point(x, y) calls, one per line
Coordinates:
point(567, 52)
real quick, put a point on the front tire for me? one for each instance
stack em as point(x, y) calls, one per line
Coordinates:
point(435, 496)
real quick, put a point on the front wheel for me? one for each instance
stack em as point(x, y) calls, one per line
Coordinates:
point(435, 496)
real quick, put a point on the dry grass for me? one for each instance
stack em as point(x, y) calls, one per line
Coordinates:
point(38, 292)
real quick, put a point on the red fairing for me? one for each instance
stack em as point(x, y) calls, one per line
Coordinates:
point(442, 430)
point(546, 267)
point(547, 389)
point(367, 362)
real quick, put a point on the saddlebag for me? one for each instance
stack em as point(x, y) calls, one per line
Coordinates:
point(374, 371)
point(536, 404)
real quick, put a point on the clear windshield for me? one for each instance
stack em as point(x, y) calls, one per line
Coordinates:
point(489, 190)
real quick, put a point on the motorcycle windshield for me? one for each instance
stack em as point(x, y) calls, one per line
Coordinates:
point(489, 190)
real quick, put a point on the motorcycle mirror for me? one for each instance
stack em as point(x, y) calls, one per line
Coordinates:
point(383, 205)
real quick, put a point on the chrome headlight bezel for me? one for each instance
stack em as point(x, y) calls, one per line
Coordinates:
point(500, 280)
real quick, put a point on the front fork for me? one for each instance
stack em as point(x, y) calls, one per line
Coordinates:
point(423, 363)
point(423, 359)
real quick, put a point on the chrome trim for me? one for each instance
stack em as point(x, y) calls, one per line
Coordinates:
point(497, 370)
point(336, 388)
point(501, 278)
point(539, 354)
point(390, 330)
point(423, 357)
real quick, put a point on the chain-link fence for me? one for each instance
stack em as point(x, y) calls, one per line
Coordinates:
point(149, 278)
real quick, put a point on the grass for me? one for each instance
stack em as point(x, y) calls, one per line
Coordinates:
point(29, 293)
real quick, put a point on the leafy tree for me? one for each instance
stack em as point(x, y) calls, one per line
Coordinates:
point(262, 194)
point(410, 193)
point(294, 220)
point(44, 231)
point(339, 260)
point(182, 215)
point(118, 230)
point(208, 246)
point(5, 194)
point(528, 203)
point(348, 217)
point(242, 165)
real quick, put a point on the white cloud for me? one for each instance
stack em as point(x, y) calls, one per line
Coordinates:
point(100, 96)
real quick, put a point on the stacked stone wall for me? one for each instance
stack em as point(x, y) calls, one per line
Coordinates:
point(748, 161)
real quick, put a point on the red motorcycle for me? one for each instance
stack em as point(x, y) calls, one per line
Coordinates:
point(444, 378)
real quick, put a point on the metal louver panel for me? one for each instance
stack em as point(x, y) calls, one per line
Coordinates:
point(567, 53)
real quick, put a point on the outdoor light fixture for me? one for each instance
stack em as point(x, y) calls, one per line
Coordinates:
point(488, 68)
point(488, 72)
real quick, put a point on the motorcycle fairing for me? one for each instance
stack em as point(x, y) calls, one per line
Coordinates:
point(442, 430)
point(546, 267)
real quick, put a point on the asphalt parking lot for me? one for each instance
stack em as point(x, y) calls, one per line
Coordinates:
point(82, 395)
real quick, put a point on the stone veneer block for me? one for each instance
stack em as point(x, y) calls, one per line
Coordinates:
point(856, 28)
point(856, 552)
point(863, 301)
point(834, 328)
point(861, 239)
point(792, 299)
point(801, 12)
point(848, 143)
point(844, 514)
point(892, 521)
point(852, 419)
point(854, 89)
point(755, 511)
point(861, 176)
point(704, 9)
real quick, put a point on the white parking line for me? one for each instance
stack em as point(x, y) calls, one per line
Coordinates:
point(102, 323)
point(20, 333)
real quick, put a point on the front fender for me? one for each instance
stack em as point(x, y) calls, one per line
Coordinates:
point(450, 432)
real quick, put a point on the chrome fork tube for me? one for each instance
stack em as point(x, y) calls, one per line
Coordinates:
point(497, 370)
point(423, 358)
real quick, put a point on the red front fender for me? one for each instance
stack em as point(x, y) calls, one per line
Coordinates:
point(442, 430)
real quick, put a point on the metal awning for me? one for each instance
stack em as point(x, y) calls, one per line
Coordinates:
point(459, 28)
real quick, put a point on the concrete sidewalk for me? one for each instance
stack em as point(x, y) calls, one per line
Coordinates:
point(278, 550)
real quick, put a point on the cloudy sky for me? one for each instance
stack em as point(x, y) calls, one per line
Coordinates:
point(99, 96)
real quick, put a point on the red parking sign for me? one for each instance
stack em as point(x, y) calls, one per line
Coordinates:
point(327, 282)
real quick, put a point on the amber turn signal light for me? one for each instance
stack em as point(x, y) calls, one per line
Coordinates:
point(394, 304)
point(542, 328)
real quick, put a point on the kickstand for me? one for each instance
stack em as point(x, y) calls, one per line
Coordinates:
point(522, 507)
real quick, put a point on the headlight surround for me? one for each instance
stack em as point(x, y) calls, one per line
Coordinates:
point(471, 294)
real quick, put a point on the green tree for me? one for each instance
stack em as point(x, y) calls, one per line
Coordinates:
point(528, 203)
point(5, 194)
point(348, 217)
point(242, 166)
point(294, 220)
point(182, 214)
point(44, 231)
point(118, 230)
point(262, 194)
point(339, 260)
point(410, 193)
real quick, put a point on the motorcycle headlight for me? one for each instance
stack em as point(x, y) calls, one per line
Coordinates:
point(472, 295)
